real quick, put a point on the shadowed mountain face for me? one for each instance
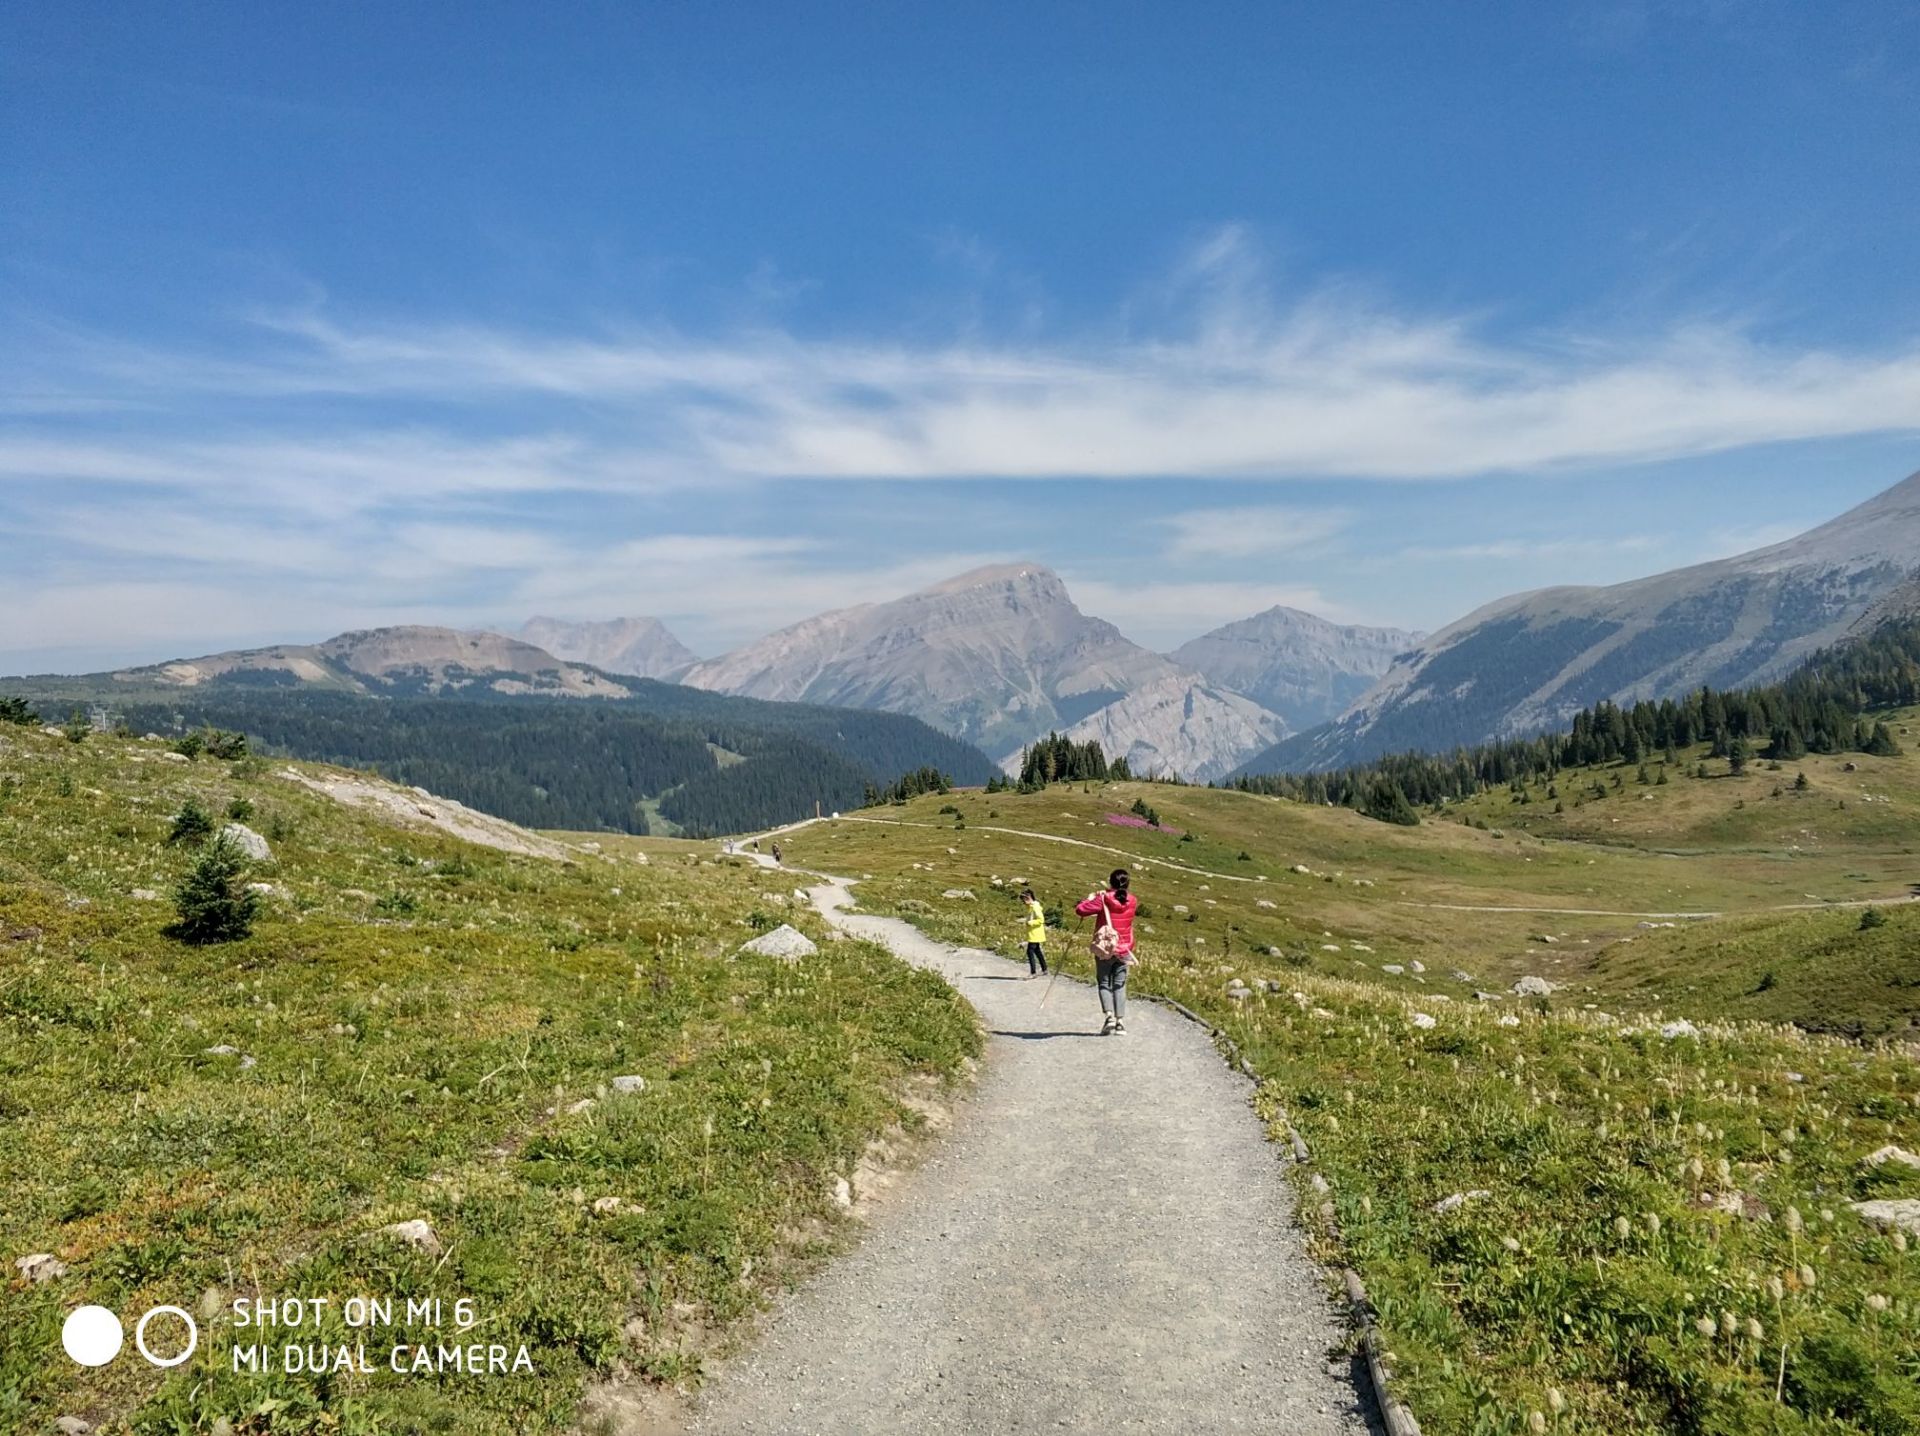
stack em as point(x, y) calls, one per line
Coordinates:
point(998, 656)
point(640, 647)
point(1295, 664)
point(1531, 661)
point(406, 659)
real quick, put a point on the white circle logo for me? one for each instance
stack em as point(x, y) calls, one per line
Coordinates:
point(92, 1335)
point(140, 1335)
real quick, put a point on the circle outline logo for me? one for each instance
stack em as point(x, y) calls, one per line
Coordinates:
point(140, 1336)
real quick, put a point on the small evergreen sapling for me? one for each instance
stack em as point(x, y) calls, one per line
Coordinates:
point(212, 902)
point(192, 824)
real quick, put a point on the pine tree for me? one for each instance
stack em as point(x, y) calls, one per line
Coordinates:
point(1387, 803)
point(1881, 744)
point(212, 901)
point(17, 710)
point(192, 824)
point(1737, 756)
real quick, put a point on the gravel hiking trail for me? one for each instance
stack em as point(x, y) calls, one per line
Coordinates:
point(1102, 1241)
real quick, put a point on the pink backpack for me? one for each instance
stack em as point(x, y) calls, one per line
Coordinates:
point(1106, 937)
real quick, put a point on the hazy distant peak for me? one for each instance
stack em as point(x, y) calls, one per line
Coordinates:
point(642, 647)
point(1037, 575)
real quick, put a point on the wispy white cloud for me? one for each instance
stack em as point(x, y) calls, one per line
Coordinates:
point(1232, 385)
point(1249, 532)
point(1537, 548)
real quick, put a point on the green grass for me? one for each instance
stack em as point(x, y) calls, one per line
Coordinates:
point(1607, 1234)
point(421, 1016)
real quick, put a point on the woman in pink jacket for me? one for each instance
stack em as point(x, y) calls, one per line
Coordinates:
point(1112, 912)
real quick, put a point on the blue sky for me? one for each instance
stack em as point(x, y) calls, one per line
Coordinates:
point(333, 316)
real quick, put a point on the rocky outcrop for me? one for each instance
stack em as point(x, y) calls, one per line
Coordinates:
point(1177, 726)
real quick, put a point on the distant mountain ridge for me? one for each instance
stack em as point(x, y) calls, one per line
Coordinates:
point(407, 658)
point(1002, 655)
point(1530, 661)
point(636, 647)
point(997, 656)
point(1303, 667)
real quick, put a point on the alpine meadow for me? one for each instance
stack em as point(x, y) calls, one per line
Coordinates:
point(724, 720)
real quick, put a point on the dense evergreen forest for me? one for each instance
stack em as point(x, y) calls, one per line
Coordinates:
point(1819, 708)
point(711, 763)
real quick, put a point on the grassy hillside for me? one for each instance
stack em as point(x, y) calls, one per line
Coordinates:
point(409, 1033)
point(1620, 1187)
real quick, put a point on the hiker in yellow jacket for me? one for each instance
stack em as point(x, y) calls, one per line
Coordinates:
point(1036, 933)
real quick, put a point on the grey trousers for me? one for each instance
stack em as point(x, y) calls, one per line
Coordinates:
point(1110, 976)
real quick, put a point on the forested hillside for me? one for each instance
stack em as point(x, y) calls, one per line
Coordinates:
point(712, 763)
point(1821, 708)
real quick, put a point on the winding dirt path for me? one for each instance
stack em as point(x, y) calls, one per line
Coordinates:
point(1103, 1241)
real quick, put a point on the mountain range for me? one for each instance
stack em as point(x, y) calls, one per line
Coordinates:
point(1000, 656)
point(1529, 662)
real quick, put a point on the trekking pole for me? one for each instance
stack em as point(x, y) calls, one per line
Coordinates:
point(1054, 976)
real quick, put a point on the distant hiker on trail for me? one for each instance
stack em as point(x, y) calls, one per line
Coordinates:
point(756, 845)
point(776, 852)
point(1036, 933)
point(1112, 912)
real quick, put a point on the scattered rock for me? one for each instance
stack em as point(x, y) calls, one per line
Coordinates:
point(41, 1266)
point(72, 1426)
point(1238, 994)
point(1462, 976)
point(787, 943)
point(1486, 997)
point(1677, 1029)
point(1459, 1200)
point(1302, 869)
point(607, 1206)
point(144, 895)
point(585, 1104)
point(1545, 937)
point(629, 1084)
point(1263, 902)
point(1416, 965)
point(248, 841)
point(418, 1234)
point(842, 1194)
point(959, 894)
point(1531, 986)
point(1423, 1020)
point(1887, 1215)
point(1394, 969)
point(225, 1049)
point(1507, 1019)
point(1180, 907)
point(172, 757)
point(1900, 1156)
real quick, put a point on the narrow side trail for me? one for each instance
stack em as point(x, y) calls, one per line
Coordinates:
point(1102, 1242)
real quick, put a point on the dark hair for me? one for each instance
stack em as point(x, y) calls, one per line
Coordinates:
point(1026, 892)
point(1117, 880)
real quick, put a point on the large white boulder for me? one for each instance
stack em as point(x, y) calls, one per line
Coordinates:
point(248, 841)
point(787, 943)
